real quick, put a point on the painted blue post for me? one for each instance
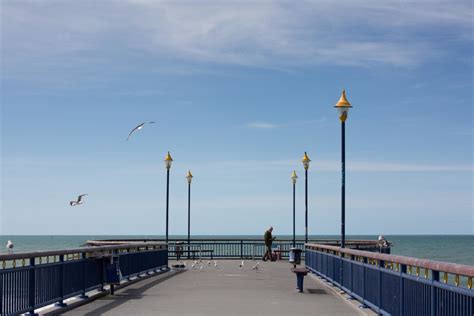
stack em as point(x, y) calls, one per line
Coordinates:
point(363, 278)
point(403, 270)
point(84, 280)
point(299, 282)
point(61, 282)
point(32, 287)
point(434, 297)
point(381, 264)
point(363, 283)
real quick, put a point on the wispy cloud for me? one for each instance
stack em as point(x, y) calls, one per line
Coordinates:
point(354, 166)
point(268, 125)
point(262, 125)
point(246, 165)
point(254, 34)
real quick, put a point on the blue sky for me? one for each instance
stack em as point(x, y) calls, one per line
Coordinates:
point(239, 91)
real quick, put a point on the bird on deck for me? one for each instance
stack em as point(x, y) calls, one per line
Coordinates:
point(10, 246)
point(241, 265)
point(209, 263)
point(194, 264)
point(255, 267)
point(201, 267)
point(137, 128)
point(79, 200)
point(215, 264)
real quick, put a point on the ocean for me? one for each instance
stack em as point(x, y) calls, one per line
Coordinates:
point(447, 248)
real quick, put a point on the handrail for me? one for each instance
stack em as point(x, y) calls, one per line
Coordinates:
point(34, 254)
point(329, 241)
point(454, 268)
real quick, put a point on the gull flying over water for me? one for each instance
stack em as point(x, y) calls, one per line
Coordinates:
point(10, 246)
point(78, 201)
point(137, 128)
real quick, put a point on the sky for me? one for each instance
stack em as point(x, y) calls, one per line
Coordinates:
point(239, 91)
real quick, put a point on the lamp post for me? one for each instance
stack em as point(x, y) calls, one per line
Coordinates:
point(189, 177)
point(343, 107)
point(293, 179)
point(306, 162)
point(168, 160)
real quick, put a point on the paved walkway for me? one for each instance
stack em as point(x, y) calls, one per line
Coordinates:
point(226, 290)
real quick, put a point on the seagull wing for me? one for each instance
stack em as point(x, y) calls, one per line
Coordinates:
point(79, 198)
point(135, 129)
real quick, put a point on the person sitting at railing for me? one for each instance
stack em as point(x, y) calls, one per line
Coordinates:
point(383, 243)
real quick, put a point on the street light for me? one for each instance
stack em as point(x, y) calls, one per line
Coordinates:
point(189, 177)
point(168, 160)
point(343, 107)
point(293, 179)
point(306, 162)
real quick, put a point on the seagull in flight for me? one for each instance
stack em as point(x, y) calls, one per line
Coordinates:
point(10, 246)
point(137, 128)
point(78, 201)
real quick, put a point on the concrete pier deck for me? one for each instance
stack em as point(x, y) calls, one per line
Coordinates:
point(226, 290)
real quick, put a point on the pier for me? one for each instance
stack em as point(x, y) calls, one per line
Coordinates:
point(137, 277)
point(226, 290)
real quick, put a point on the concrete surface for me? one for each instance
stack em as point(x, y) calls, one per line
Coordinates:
point(226, 290)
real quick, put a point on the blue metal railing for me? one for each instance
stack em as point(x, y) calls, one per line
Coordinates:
point(232, 248)
point(29, 281)
point(395, 285)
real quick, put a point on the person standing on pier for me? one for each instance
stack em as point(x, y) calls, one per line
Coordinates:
point(268, 238)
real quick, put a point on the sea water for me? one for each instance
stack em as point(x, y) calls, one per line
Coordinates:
point(448, 248)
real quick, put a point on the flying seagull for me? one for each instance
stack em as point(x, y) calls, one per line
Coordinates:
point(137, 128)
point(78, 201)
point(10, 246)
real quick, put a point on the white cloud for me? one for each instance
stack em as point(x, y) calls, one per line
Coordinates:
point(273, 34)
point(262, 125)
point(333, 166)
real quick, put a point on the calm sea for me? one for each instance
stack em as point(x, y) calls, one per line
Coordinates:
point(458, 248)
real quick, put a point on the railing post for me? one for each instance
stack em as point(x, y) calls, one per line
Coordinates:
point(364, 264)
point(61, 282)
point(242, 249)
point(381, 264)
point(84, 280)
point(403, 270)
point(434, 296)
point(32, 287)
point(102, 280)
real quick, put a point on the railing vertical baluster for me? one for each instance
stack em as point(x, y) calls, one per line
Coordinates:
point(434, 298)
point(1, 292)
point(84, 278)
point(364, 268)
point(61, 282)
point(241, 249)
point(403, 270)
point(381, 264)
point(31, 287)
